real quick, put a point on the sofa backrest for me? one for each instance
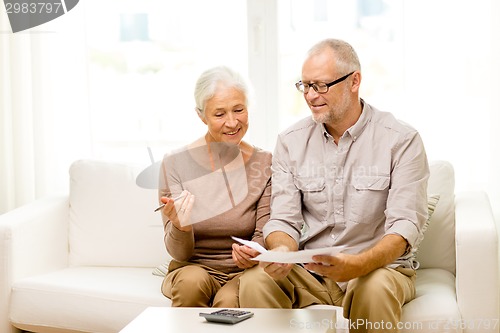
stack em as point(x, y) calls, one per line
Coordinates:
point(437, 250)
point(111, 221)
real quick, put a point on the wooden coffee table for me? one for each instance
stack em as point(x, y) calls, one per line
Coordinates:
point(187, 320)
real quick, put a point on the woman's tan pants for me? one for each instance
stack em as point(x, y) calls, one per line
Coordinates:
point(192, 285)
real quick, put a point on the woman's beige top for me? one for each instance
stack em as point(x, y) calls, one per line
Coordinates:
point(231, 199)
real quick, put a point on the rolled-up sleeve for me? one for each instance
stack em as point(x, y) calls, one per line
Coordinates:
point(407, 201)
point(349, 194)
point(286, 206)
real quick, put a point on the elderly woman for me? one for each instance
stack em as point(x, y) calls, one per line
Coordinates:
point(215, 188)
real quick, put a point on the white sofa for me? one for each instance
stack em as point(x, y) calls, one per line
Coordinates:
point(85, 262)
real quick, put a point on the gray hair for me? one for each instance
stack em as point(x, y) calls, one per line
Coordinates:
point(207, 84)
point(346, 58)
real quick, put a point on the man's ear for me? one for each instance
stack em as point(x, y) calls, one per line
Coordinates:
point(356, 81)
point(201, 115)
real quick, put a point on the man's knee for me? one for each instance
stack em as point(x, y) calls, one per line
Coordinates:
point(227, 296)
point(382, 283)
point(252, 277)
point(374, 285)
point(259, 290)
point(380, 294)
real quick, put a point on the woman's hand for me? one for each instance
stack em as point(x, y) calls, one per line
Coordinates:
point(179, 212)
point(242, 256)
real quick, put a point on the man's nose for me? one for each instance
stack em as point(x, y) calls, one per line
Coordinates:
point(311, 94)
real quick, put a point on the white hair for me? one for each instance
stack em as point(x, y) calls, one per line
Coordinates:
point(209, 80)
point(345, 55)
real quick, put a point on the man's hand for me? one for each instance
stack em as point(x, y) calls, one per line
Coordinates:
point(339, 268)
point(345, 267)
point(279, 241)
point(277, 271)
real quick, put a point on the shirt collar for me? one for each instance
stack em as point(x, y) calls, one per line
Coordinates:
point(326, 135)
point(355, 130)
point(358, 128)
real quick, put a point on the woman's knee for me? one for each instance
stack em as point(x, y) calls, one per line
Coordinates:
point(191, 286)
point(192, 276)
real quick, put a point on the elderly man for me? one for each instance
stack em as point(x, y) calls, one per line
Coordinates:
point(351, 178)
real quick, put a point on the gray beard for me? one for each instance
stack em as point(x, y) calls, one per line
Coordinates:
point(334, 115)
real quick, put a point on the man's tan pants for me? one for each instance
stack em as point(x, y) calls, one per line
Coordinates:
point(372, 303)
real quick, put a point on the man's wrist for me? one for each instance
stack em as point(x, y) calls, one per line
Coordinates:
point(278, 239)
point(281, 248)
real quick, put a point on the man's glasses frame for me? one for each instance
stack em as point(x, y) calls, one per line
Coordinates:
point(320, 87)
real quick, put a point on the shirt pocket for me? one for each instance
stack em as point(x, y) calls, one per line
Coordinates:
point(368, 198)
point(313, 194)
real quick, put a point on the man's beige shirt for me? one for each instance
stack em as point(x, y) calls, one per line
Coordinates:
point(348, 196)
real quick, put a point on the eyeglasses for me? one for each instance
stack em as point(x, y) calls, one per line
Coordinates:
point(319, 87)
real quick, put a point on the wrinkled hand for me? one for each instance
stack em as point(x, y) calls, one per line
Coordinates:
point(242, 256)
point(179, 212)
point(339, 268)
point(276, 270)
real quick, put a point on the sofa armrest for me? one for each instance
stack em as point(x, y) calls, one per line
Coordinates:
point(33, 240)
point(477, 274)
point(34, 237)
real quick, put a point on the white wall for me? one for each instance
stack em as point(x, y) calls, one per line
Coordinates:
point(451, 80)
point(494, 121)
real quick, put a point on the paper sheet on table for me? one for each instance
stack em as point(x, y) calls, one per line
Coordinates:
point(296, 257)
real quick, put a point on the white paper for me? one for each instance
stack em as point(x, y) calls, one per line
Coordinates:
point(295, 257)
point(251, 244)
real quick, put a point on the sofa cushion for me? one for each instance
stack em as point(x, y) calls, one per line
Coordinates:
point(433, 310)
point(435, 307)
point(437, 249)
point(112, 222)
point(72, 299)
point(432, 202)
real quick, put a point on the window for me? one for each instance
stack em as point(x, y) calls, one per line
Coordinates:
point(146, 55)
point(372, 27)
point(144, 58)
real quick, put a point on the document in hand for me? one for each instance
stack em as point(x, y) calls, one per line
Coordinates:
point(298, 257)
point(251, 244)
point(295, 257)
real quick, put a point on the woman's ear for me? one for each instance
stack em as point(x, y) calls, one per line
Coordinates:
point(201, 115)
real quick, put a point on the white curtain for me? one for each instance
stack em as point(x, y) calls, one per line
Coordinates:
point(42, 96)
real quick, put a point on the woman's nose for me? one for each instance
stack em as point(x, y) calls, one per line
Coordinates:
point(231, 120)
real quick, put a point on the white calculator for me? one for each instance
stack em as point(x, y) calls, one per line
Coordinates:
point(227, 316)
